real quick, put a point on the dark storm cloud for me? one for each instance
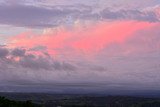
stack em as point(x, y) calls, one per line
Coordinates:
point(41, 17)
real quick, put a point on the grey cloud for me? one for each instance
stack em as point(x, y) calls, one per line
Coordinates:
point(129, 14)
point(19, 15)
point(63, 66)
point(51, 16)
point(38, 69)
point(3, 52)
point(18, 52)
point(32, 16)
point(38, 48)
point(38, 62)
point(46, 63)
point(1, 46)
point(30, 61)
point(98, 68)
point(35, 63)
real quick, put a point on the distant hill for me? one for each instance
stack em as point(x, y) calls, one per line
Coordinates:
point(53, 100)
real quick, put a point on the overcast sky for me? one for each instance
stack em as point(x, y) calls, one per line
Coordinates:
point(111, 42)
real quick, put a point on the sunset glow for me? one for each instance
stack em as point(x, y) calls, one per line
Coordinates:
point(116, 43)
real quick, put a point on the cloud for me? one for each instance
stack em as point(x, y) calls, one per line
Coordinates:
point(122, 68)
point(130, 15)
point(34, 69)
point(36, 17)
point(32, 62)
point(82, 44)
point(18, 52)
point(126, 72)
point(100, 52)
point(3, 52)
point(32, 16)
point(93, 39)
point(64, 66)
point(19, 57)
point(39, 48)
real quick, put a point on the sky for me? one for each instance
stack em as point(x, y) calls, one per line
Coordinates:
point(79, 44)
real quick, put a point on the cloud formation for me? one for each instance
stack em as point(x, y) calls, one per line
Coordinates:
point(3, 52)
point(37, 17)
point(18, 52)
point(94, 38)
point(91, 43)
point(105, 52)
point(32, 16)
point(33, 69)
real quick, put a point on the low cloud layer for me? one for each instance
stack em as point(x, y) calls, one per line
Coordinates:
point(113, 72)
point(26, 68)
point(20, 57)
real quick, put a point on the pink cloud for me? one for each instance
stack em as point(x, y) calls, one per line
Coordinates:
point(88, 40)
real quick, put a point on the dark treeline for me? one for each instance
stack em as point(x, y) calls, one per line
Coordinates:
point(11, 103)
point(85, 101)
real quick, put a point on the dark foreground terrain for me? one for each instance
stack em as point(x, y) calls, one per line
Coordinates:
point(52, 100)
